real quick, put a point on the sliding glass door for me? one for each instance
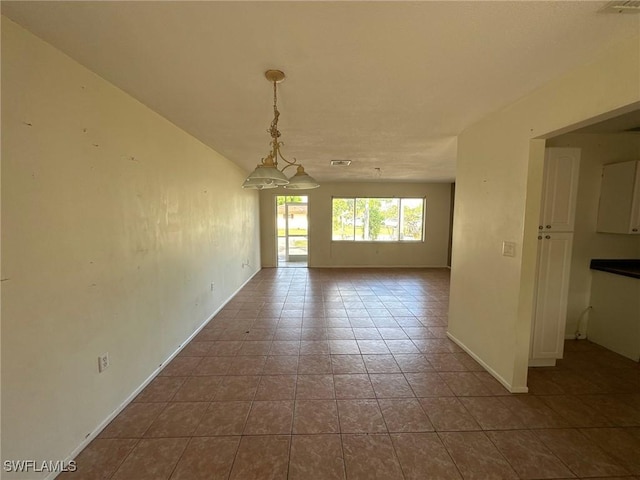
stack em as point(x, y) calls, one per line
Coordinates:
point(292, 230)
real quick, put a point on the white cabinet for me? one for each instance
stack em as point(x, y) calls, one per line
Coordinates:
point(560, 189)
point(555, 240)
point(554, 267)
point(619, 209)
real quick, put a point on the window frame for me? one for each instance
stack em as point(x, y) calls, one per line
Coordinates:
point(354, 198)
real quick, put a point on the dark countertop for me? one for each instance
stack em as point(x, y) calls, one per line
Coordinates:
point(626, 267)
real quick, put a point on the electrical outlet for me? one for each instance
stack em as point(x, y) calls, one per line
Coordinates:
point(103, 362)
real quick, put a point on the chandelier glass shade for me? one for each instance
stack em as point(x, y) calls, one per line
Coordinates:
point(301, 180)
point(267, 173)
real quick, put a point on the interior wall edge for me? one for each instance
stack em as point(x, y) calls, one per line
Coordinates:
point(487, 367)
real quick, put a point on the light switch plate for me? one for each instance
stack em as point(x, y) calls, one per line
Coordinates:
point(509, 249)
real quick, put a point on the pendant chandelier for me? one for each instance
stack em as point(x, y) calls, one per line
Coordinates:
point(267, 174)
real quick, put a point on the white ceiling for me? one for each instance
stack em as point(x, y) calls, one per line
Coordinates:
point(388, 85)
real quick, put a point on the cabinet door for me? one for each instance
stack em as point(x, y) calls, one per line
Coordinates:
point(554, 265)
point(619, 209)
point(560, 189)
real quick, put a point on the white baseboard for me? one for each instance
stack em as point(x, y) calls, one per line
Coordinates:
point(493, 373)
point(380, 266)
point(542, 362)
point(148, 380)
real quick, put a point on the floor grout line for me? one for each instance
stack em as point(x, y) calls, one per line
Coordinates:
point(414, 315)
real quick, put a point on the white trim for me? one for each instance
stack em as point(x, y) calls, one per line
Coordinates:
point(493, 373)
point(89, 438)
point(542, 362)
point(379, 266)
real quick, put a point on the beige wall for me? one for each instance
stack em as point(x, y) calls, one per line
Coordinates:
point(325, 253)
point(498, 187)
point(596, 151)
point(114, 225)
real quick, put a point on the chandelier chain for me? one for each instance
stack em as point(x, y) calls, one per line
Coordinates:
point(275, 134)
point(273, 130)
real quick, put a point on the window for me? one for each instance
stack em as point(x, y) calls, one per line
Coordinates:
point(378, 219)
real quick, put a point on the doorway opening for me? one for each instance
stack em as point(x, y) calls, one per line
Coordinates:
point(292, 230)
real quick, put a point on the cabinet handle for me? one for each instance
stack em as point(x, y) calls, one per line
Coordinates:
point(547, 236)
point(634, 229)
point(548, 226)
point(540, 227)
point(539, 237)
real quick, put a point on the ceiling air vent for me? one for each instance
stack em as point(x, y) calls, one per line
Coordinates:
point(340, 163)
point(622, 6)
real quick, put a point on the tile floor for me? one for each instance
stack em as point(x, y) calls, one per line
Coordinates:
point(348, 374)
